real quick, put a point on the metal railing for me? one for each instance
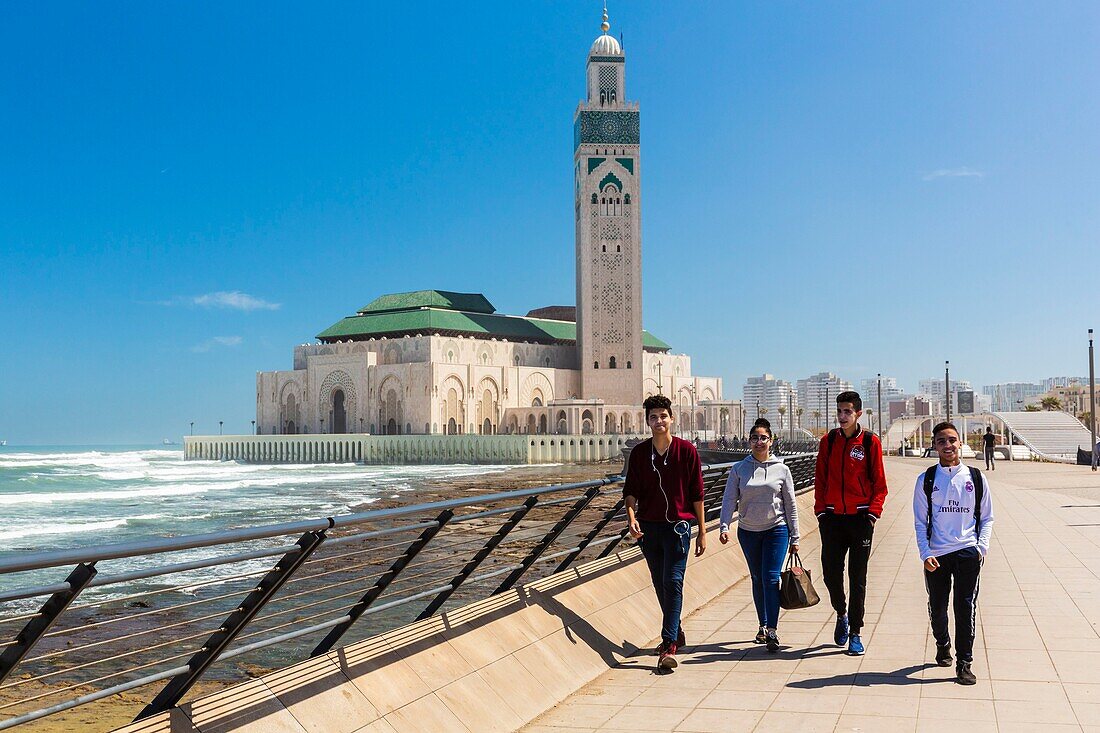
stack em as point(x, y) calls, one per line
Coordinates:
point(120, 617)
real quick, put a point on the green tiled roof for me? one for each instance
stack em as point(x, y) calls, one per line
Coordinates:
point(471, 302)
point(389, 322)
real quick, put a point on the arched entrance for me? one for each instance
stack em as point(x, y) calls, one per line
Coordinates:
point(487, 427)
point(391, 427)
point(452, 427)
point(291, 428)
point(542, 424)
point(339, 414)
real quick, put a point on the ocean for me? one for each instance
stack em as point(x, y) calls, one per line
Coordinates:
point(64, 497)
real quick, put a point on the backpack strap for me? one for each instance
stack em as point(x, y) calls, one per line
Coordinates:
point(867, 440)
point(929, 486)
point(979, 491)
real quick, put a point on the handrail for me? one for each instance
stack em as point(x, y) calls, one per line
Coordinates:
point(460, 550)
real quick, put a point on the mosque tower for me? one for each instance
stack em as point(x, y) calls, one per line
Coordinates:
point(608, 220)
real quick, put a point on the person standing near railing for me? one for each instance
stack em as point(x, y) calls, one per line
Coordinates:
point(989, 440)
point(849, 493)
point(663, 495)
point(760, 489)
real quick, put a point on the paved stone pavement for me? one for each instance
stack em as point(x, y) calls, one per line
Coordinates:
point(1037, 654)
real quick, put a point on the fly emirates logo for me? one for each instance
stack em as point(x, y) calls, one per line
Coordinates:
point(954, 507)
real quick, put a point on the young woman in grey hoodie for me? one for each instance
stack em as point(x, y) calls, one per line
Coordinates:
point(761, 490)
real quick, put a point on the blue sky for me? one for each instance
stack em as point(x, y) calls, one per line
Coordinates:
point(189, 190)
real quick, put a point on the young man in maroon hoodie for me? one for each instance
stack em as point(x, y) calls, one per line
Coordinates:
point(849, 491)
point(663, 492)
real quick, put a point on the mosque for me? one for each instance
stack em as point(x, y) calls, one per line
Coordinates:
point(439, 362)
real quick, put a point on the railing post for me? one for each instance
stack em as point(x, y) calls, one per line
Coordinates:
point(382, 583)
point(612, 545)
point(548, 540)
point(607, 517)
point(51, 610)
point(477, 559)
point(213, 647)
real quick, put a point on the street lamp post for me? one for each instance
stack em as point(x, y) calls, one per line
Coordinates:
point(253, 427)
point(660, 387)
point(192, 427)
point(879, 431)
point(947, 388)
point(219, 427)
point(790, 415)
point(1092, 402)
point(826, 410)
point(360, 425)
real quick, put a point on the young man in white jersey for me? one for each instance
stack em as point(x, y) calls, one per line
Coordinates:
point(953, 518)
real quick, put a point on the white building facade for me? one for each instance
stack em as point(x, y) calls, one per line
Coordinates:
point(817, 395)
point(432, 361)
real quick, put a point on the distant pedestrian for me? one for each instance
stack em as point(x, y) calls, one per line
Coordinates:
point(849, 493)
point(1096, 455)
point(990, 440)
point(760, 489)
point(663, 493)
point(953, 518)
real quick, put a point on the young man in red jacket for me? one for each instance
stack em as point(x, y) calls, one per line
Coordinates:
point(849, 491)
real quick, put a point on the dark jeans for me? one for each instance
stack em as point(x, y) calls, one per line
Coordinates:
point(846, 534)
point(666, 554)
point(962, 567)
point(764, 553)
point(990, 459)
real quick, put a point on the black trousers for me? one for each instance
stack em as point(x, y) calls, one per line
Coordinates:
point(846, 535)
point(962, 568)
point(990, 459)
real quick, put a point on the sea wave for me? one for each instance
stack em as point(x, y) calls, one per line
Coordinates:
point(72, 527)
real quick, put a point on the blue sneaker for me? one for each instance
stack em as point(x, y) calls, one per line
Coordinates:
point(840, 634)
point(855, 646)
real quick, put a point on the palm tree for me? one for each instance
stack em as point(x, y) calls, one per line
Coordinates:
point(782, 412)
point(1051, 403)
point(798, 412)
point(817, 418)
point(1032, 407)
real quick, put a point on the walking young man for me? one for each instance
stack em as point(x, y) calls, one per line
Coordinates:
point(990, 440)
point(953, 518)
point(663, 492)
point(849, 491)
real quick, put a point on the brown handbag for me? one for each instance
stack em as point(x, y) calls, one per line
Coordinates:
point(796, 590)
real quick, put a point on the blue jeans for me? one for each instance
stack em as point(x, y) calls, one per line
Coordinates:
point(764, 553)
point(666, 554)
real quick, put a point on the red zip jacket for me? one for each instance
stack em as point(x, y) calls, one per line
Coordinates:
point(842, 483)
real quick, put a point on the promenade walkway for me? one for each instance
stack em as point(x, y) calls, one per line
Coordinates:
point(1037, 655)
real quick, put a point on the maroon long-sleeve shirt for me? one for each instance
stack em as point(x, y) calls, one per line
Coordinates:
point(665, 487)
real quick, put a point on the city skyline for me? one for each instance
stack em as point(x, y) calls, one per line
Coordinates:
point(184, 204)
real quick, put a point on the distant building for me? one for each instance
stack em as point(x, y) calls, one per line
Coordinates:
point(1051, 382)
point(763, 396)
point(1011, 396)
point(818, 393)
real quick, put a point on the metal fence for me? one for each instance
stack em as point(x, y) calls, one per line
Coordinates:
point(216, 606)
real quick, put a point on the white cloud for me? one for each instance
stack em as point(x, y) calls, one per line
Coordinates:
point(961, 172)
point(234, 299)
point(217, 341)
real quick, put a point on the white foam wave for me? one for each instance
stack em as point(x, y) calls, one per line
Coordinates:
point(71, 527)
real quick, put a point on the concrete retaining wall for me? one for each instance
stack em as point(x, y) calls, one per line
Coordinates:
point(404, 449)
point(491, 666)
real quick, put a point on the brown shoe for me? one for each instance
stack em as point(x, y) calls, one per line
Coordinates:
point(667, 659)
point(963, 675)
point(943, 655)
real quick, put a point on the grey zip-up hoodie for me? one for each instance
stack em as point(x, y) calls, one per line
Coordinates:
point(762, 494)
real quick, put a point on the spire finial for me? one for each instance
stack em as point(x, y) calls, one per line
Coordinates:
point(605, 26)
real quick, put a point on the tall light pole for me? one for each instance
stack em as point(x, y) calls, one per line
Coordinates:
point(1092, 401)
point(947, 388)
point(828, 426)
point(192, 427)
point(790, 414)
point(660, 388)
point(219, 427)
point(879, 416)
point(253, 426)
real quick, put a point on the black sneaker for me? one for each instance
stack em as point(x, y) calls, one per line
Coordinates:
point(963, 675)
point(772, 641)
point(761, 637)
point(943, 655)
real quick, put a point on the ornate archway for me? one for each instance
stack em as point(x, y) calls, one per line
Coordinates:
point(337, 380)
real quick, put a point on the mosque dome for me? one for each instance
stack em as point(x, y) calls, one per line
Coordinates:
point(605, 45)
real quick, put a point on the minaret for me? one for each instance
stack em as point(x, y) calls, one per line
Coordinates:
point(609, 242)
